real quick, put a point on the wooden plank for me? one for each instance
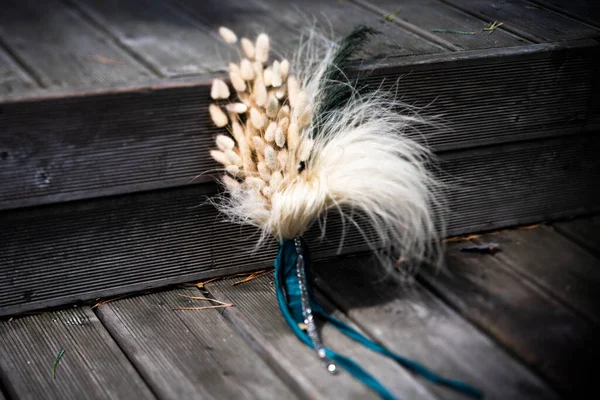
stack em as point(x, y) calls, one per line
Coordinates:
point(188, 354)
point(583, 10)
point(92, 365)
point(424, 16)
point(583, 231)
point(62, 49)
point(168, 40)
point(534, 326)
point(13, 79)
point(554, 263)
point(257, 316)
point(156, 137)
point(409, 320)
point(332, 17)
point(100, 247)
point(526, 20)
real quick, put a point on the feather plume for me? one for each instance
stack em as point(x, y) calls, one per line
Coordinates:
point(329, 147)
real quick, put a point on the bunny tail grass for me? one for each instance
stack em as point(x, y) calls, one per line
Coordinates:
point(305, 142)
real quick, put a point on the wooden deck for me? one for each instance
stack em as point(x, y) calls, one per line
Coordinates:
point(104, 139)
point(520, 324)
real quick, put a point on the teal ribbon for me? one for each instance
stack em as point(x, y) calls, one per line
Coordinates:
point(290, 302)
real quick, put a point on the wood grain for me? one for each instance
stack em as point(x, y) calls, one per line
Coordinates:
point(584, 10)
point(409, 320)
point(331, 17)
point(258, 318)
point(526, 20)
point(584, 231)
point(92, 366)
point(188, 354)
point(167, 39)
point(531, 324)
point(554, 263)
point(427, 15)
point(62, 49)
point(13, 79)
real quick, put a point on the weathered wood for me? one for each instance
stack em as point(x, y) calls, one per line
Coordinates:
point(188, 354)
point(62, 49)
point(584, 231)
point(534, 326)
point(584, 10)
point(556, 264)
point(170, 41)
point(109, 246)
point(13, 79)
point(526, 20)
point(92, 366)
point(337, 18)
point(411, 321)
point(75, 147)
point(424, 16)
point(258, 318)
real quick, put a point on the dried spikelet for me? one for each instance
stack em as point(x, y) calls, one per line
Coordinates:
point(238, 132)
point(255, 182)
point(219, 90)
point(263, 171)
point(258, 70)
point(260, 93)
point(234, 157)
point(284, 124)
point(304, 149)
point(281, 92)
point(247, 69)
point(220, 157)
point(245, 97)
point(282, 157)
point(276, 79)
point(236, 108)
point(230, 183)
point(261, 51)
point(233, 67)
point(228, 35)
point(268, 76)
point(285, 69)
point(305, 118)
point(225, 142)
point(292, 136)
point(259, 144)
point(280, 137)
point(272, 106)
point(271, 158)
point(284, 112)
point(249, 166)
point(217, 115)
point(248, 48)
point(276, 179)
point(267, 192)
point(234, 170)
point(257, 118)
point(293, 89)
point(236, 81)
point(270, 132)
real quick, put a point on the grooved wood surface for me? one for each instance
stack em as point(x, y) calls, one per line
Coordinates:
point(553, 262)
point(411, 321)
point(257, 317)
point(188, 354)
point(164, 37)
point(92, 363)
point(444, 17)
point(62, 49)
point(526, 19)
point(12, 77)
point(529, 322)
point(585, 232)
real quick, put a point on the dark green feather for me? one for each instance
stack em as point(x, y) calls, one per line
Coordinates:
point(336, 90)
